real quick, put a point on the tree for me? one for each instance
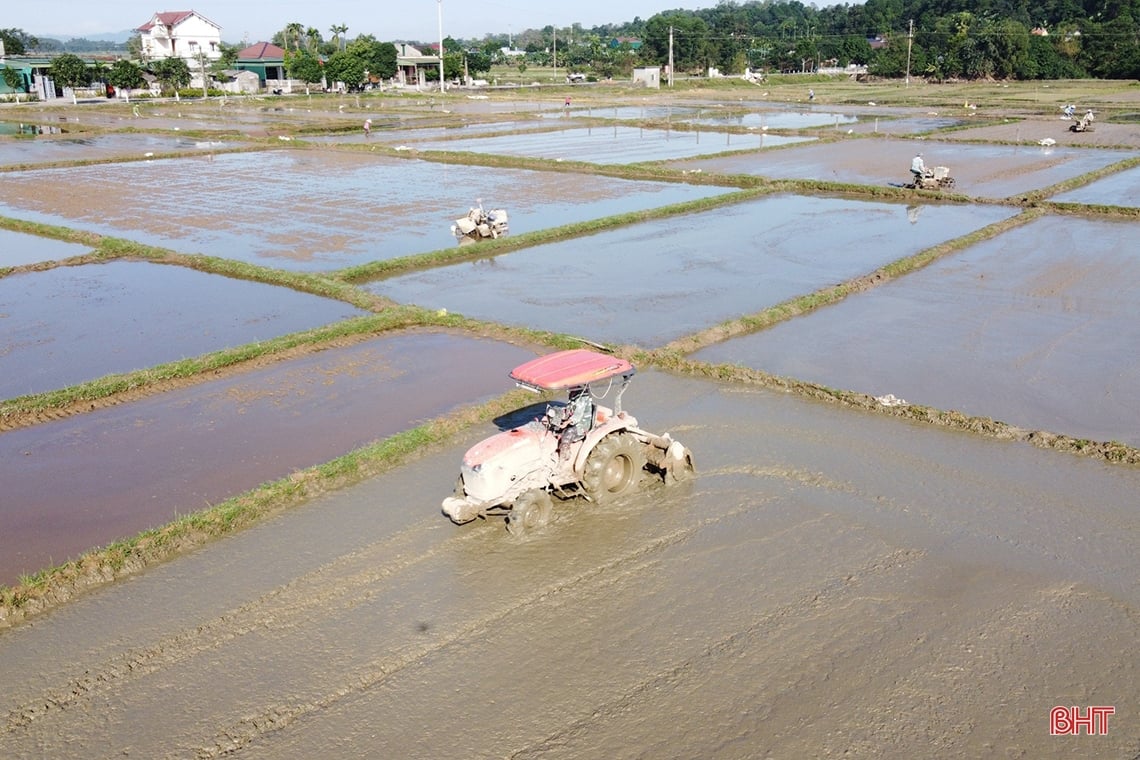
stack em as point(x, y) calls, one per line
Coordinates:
point(69, 70)
point(338, 30)
point(304, 66)
point(125, 76)
point(13, 79)
point(17, 41)
point(172, 74)
point(379, 57)
point(345, 67)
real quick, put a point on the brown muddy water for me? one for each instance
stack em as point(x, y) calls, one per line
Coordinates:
point(315, 210)
point(1037, 328)
point(18, 249)
point(82, 482)
point(654, 282)
point(833, 583)
point(68, 325)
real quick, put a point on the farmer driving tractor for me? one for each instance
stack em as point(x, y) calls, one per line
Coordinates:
point(573, 421)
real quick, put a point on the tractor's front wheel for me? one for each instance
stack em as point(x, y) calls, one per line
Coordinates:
point(530, 512)
point(613, 467)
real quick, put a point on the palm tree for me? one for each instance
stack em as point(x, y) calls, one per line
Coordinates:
point(338, 30)
point(293, 30)
point(313, 38)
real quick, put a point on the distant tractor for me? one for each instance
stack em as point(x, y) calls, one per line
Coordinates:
point(480, 223)
point(937, 178)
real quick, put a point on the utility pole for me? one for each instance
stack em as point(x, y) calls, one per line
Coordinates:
point(909, 40)
point(670, 56)
point(440, 3)
point(555, 51)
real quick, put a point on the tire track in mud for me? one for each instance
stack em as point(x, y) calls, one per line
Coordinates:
point(284, 608)
point(733, 644)
point(632, 563)
point(336, 587)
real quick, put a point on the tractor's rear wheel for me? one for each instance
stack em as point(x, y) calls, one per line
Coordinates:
point(613, 467)
point(531, 511)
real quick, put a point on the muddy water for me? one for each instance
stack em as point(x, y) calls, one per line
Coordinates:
point(68, 325)
point(615, 144)
point(833, 583)
point(1037, 327)
point(18, 249)
point(322, 209)
point(654, 282)
point(118, 471)
point(990, 171)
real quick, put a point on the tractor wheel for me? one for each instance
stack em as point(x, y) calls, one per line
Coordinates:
point(531, 511)
point(613, 467)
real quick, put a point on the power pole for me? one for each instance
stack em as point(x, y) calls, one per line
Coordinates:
point(670, 56)
point(441, 87)
point(909, 40)
point(555, 51)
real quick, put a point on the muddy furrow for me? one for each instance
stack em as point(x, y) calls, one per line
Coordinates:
point(765, 627)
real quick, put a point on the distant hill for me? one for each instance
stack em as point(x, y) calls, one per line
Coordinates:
point(121, 37)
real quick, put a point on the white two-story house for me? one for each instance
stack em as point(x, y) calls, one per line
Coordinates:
point(181, 34)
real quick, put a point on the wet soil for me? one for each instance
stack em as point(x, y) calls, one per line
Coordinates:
point(833, 583)
point(124, 469)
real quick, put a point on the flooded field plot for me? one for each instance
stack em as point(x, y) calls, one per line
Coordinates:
point(1120, 189)
point(614, 144)
point(386, 134)
point(1037, 328)
point(1032, 129)
point(779, 120)
point(57, 148)
point(317, 209)
point(68, 325)
point(654, 282)
point(903, 125)
point(923, 579)
point(987, 171)
point(120, 470)
point(18, 249)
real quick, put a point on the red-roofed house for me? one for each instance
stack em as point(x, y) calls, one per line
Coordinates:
point(181, 34)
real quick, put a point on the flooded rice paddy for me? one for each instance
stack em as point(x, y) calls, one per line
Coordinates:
point(654, 282)
point(124, 469)
point(615, 144)
point(1036, 327)
point(926, 579)
point(42, 150)
point(68, 325)
point(18, 249)
point(315, 210)
point(986, 171)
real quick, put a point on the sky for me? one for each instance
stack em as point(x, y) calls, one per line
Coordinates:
point(387, 20)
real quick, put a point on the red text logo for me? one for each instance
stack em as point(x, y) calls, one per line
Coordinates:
point(1068, 721)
